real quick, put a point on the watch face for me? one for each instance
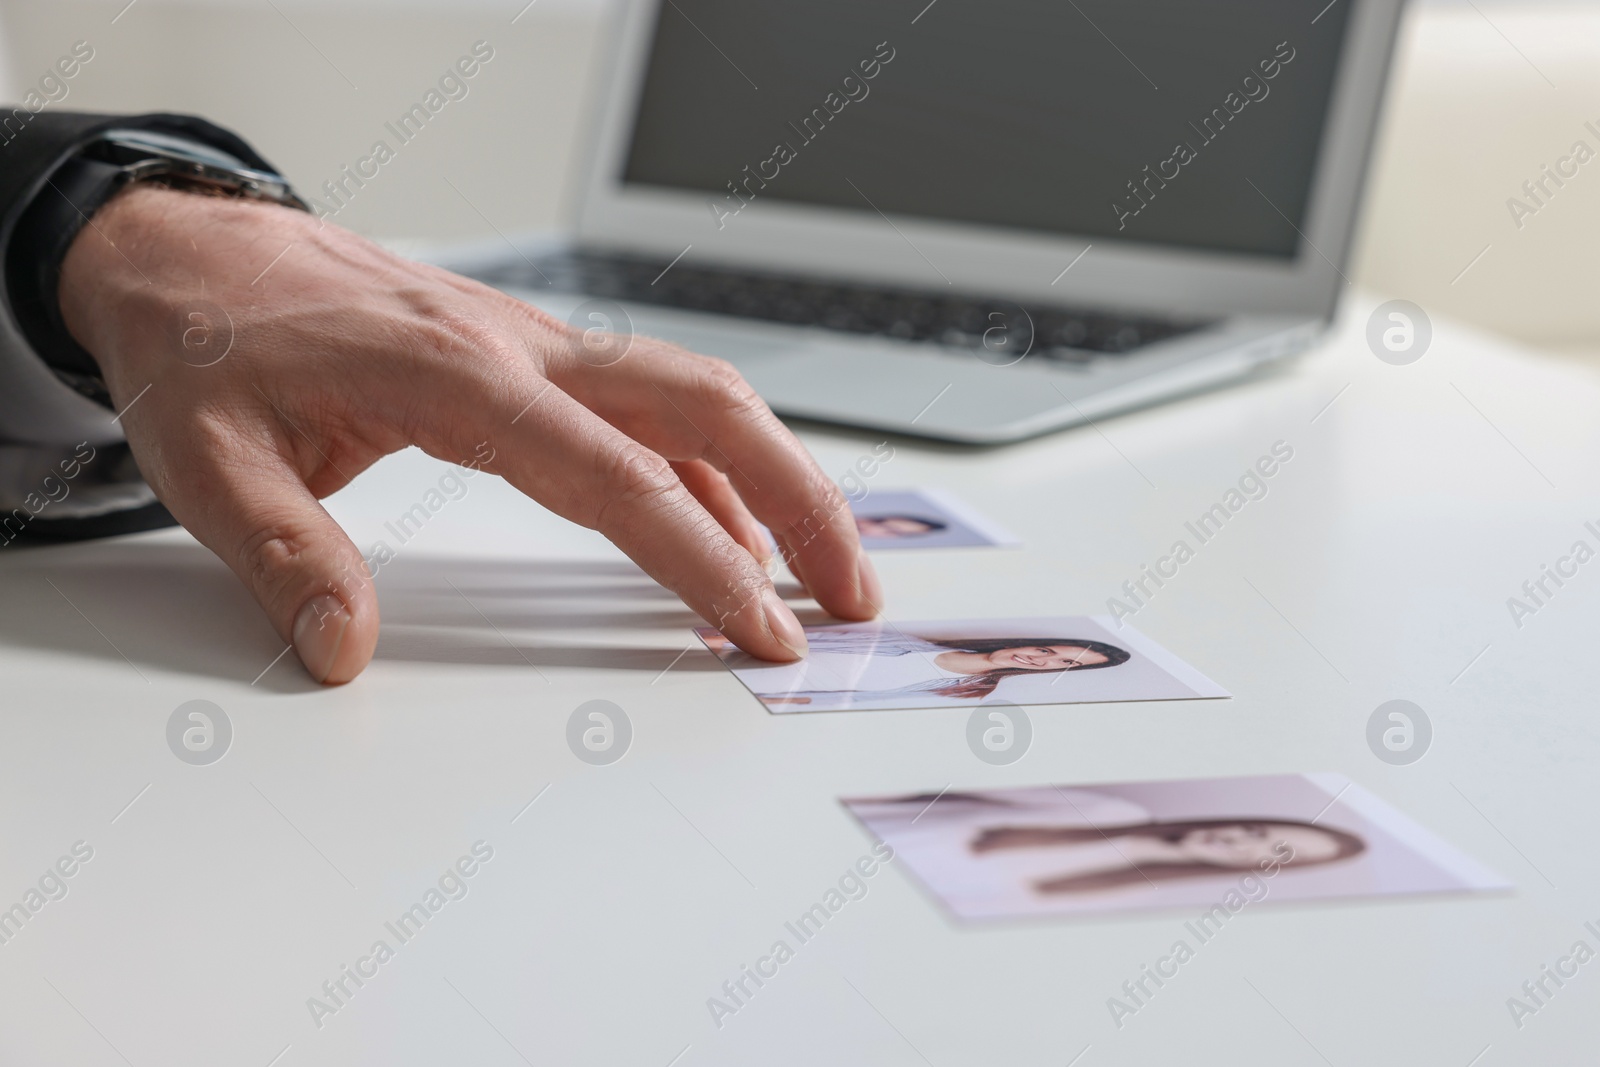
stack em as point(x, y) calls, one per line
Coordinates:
point(144, 155)
point(131, 146)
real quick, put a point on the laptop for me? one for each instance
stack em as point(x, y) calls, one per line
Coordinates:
point(975, 222)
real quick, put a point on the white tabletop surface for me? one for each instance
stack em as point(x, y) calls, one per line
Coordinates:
point(220, 897)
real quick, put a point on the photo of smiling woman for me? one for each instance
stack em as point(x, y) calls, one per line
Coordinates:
point(1119, 846)
point(890, 519)
point(1026, 850)
point(887, 665)
point(1072, 850)
point(937, 664)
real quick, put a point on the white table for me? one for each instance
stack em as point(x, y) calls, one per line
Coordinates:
point(220, 897)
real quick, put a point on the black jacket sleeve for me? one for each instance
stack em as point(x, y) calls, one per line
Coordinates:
point(46, 428)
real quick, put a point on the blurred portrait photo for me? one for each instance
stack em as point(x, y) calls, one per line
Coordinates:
point(1227, 843)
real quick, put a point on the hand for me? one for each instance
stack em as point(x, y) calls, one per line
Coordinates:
point(342, 353)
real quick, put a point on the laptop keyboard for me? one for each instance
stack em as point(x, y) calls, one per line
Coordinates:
point(990, 327)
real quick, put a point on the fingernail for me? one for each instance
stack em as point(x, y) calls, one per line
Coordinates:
point(784, 626)
point(318, 633)
point(764, 554)
point(867, 580)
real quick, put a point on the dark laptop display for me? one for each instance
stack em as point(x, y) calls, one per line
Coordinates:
point(1171, 122)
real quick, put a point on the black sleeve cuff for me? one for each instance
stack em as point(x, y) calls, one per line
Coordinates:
point(44, 218)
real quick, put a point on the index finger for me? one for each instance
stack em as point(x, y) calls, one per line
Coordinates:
point(559, 453)
point(685, 407)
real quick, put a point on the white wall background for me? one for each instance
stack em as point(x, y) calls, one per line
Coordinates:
point(311, 85)
point(1483, 95)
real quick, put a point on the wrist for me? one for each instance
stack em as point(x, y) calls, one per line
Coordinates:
point(128, 275)
point(166, 150)
point(99, 273)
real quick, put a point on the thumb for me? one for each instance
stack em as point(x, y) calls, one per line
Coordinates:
point(262, 521)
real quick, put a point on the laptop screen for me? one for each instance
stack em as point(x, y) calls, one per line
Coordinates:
point(1169, 122)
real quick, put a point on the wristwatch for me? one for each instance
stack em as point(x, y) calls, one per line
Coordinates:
point(72, 194)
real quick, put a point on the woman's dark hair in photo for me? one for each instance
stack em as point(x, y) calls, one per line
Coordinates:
point(1346, 844)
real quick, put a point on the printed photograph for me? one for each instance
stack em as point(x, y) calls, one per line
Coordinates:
point(1219, 845)
point(923, 518)
point(962, 662)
